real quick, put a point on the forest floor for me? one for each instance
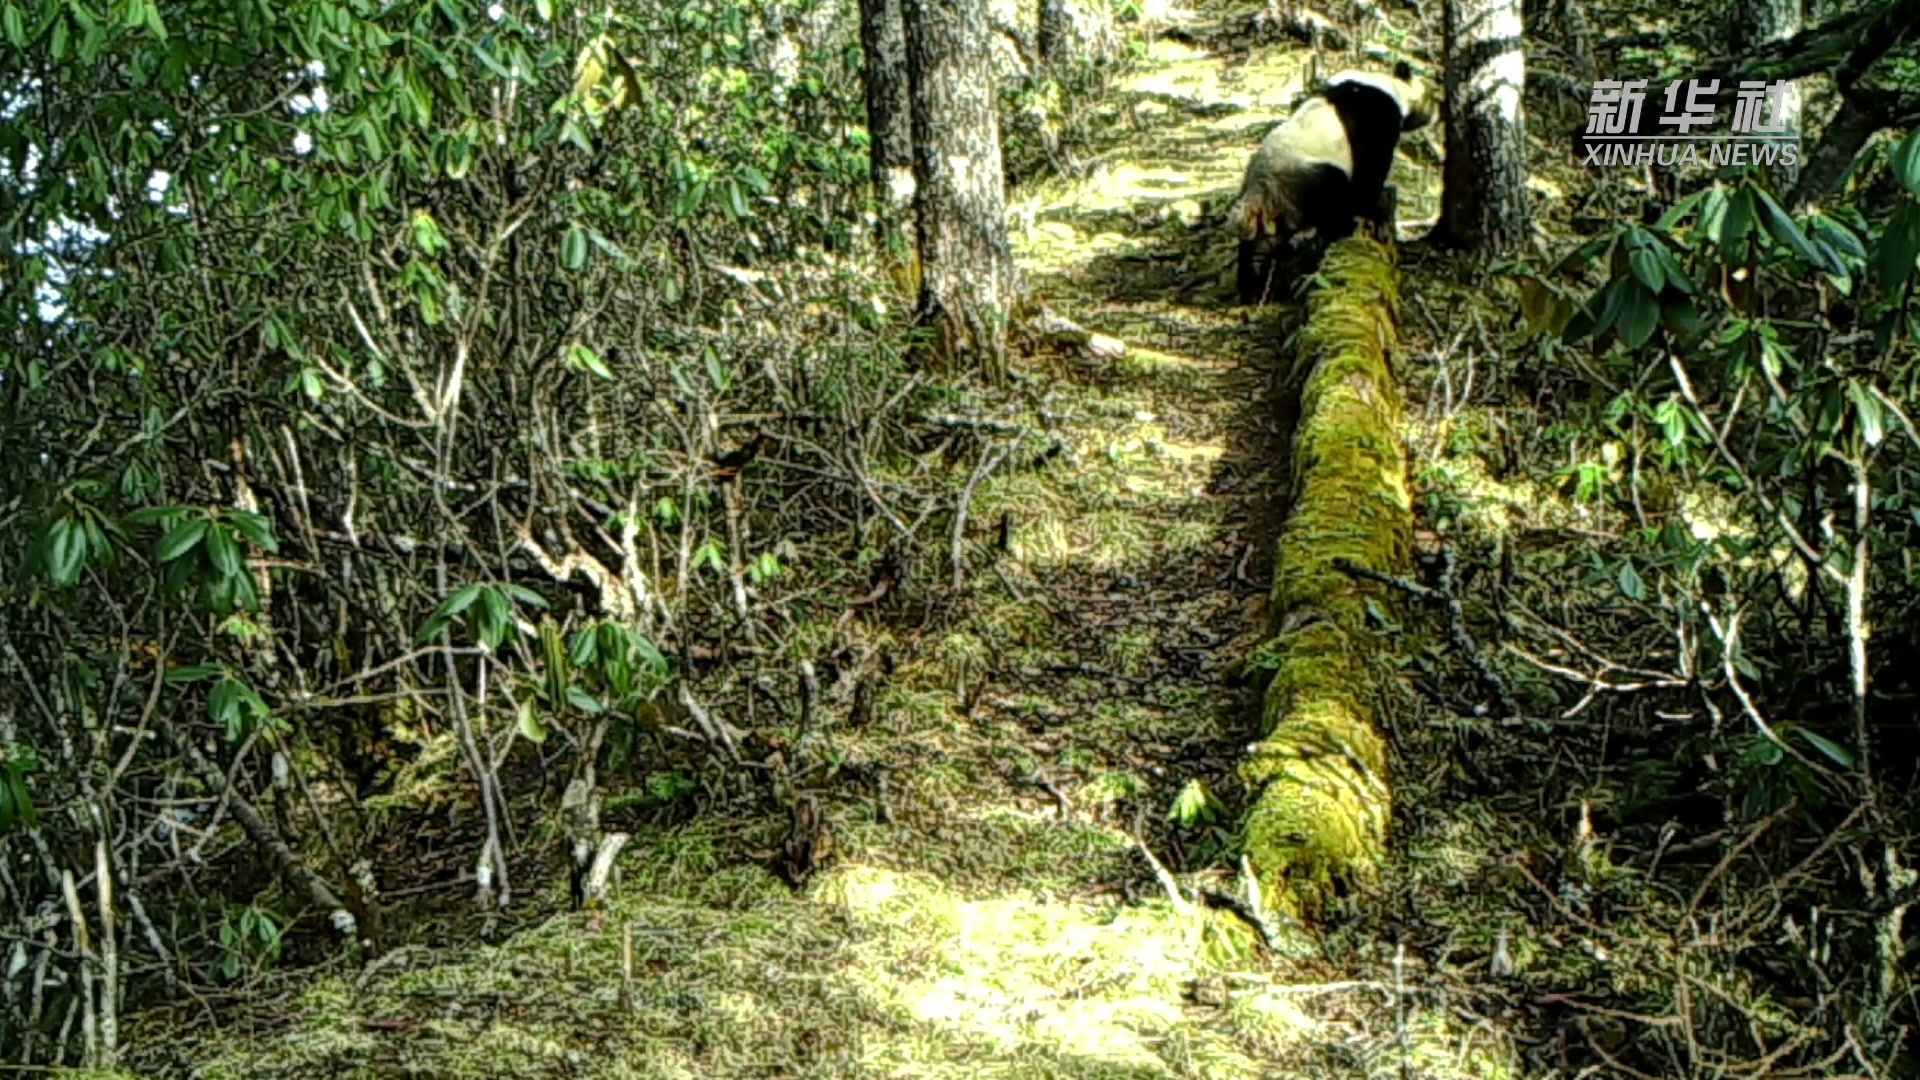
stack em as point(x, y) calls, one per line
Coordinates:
point(987, 913)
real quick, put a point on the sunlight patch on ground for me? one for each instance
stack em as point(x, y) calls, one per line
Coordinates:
point(1453, 476)
point(1139, 489)
point(1162, 371)
point(1148, 360)
point(1058, 245)
point(1135, 505)
point(1585, 494)
point(1190, 75)
point(1124, 185)
point(1061, 222)
point(876, 972)
point(1099, 985)
point(1175, 71)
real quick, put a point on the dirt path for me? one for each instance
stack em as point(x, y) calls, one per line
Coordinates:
point(988, 917)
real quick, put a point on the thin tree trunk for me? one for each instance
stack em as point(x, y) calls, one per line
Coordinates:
point(883, 41)
point(1579, 41)
point(1075, 31)
point(261, 832)
point(966, 264)
point(1484, 202)
point(1757, 22)
point(109, 1053)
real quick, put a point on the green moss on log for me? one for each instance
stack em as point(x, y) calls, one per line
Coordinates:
point(1320, 767)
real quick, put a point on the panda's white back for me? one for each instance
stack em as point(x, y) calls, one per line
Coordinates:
point(1312, 135)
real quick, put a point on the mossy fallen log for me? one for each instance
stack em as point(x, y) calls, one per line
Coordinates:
point(1319, 770)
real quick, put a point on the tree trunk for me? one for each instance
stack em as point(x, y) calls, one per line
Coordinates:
point(1862, 115)
point(1014, 25)
point(1484, 201)
point(966, 263)
point(1757, 22)
point(1076, 31)
point(889, 108)
point(1579, 41)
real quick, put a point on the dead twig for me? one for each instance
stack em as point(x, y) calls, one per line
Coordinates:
point(987, 463)
point(1446, 596)
point(1726, 861)
point(1040, 780)
point(1165, 877)
point(716, 733)
point(809, 698)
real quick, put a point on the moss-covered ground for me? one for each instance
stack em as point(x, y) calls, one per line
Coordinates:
point(987, 911)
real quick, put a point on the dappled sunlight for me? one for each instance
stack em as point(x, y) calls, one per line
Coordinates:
point(1202, 127)
point(1460, 488)
point(987, 912)
point(1179, 72)
point(1137, 489)
point(1057, 245)
point(1460, 491)
point(1093, 983)
point(880, 971)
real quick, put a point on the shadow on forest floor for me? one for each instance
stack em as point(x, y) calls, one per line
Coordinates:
point(987, 915)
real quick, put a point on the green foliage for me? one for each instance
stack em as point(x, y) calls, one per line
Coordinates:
point(488, 613)
point(231, 704)
point(616, 665)
point(764, 568)
point(1194, 806)
point(1758, 362)
point(668, 787)
point(16, 802)
point(205, 553)
point(312, 275)
point(249, 943)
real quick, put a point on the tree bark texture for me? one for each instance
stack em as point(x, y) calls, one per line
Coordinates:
point(1896, 23)
point(1758, 22)
point(1577, 36)
point(1847, 45)
point(1076, 31)
point(966, 262)
point(883, 41)
point(1862, 115)
point(1484, 201)
point(1562, 24)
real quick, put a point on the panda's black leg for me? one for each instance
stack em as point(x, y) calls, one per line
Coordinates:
point(1389, 207)
point(1343, 228)
point(1383, 214)
point(1251, 275)
point(1352, 206)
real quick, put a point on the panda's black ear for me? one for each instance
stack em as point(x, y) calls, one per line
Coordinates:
point(1403, 71)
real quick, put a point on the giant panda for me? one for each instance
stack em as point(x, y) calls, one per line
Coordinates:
point(1325, 166)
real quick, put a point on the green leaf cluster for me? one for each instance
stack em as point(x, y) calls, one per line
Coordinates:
point(1760, 360)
